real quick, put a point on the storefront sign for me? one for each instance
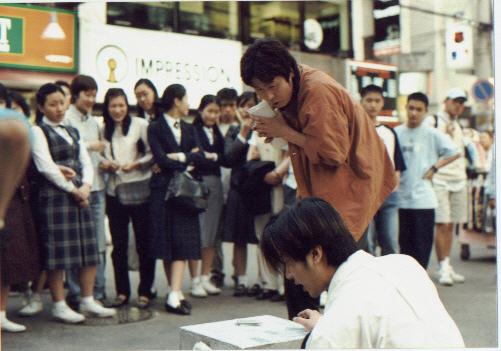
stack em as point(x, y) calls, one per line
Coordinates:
point(459, 46)
point(117, 57)
point(38, 38)
point(386, 27)
point(361, 74)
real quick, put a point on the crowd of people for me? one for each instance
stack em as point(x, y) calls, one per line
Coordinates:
point(119, 166)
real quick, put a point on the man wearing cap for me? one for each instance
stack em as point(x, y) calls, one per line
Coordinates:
point(449, 184)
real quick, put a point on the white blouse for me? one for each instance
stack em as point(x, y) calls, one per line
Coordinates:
point(125, 152)
point(46, 165)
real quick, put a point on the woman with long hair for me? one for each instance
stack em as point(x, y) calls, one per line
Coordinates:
point(148, 102)
point(65, 222)
point(128, 160)
point(176, 231)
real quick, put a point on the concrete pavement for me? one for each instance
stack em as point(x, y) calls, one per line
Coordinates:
point(473, 305)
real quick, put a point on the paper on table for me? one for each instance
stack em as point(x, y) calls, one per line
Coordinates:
point(272, 330)
point(263, 109)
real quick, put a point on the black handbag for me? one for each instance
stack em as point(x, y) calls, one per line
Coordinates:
point(187, 193)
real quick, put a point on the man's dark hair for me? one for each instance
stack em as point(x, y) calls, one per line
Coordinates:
point(309, 223)
point(418, 96)
point(371, 88)
point(81, 83)
point(4, 95)
point(20, 101)
point(266, 59)
point(227, 95)
point(62, 83)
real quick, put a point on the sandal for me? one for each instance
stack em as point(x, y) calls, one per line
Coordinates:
point(143, 302)
point(120, 300)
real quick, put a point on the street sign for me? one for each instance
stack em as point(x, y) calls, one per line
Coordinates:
point(38, 38)
point(483, 90)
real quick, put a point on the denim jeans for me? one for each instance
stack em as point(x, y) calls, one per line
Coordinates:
point(383, 229)
point(97, 205)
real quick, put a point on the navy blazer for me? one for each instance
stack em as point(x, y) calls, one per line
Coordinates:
point(235, 152)
point(163, 142)
point(209, 167)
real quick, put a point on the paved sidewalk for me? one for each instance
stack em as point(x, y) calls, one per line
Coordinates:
point(472, 305)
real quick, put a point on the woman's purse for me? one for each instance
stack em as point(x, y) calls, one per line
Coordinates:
point(132, 193)
point(187, 193)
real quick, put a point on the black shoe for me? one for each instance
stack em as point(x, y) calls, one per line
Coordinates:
point(73, 303)
point(186, 304)
point(153, 294)
point(254, 290)
point(181, 309)
point(240, 290)
point(278, 298)
point(235, 280)
point(266, 294)
point(217, 279)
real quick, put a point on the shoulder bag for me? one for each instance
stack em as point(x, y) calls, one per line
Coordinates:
point(187, 193)
point(132, 193)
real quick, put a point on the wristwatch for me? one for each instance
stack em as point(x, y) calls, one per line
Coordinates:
point(434, 169)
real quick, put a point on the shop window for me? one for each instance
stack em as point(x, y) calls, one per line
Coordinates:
point(155, 15)
point(209, 18)
point(330, 31)
point(275, 19)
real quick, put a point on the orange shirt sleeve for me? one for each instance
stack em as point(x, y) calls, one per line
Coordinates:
point(325, 126)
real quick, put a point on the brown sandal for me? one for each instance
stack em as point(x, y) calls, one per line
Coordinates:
point(143, 302)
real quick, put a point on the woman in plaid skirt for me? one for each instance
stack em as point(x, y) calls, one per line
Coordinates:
point(66, 229)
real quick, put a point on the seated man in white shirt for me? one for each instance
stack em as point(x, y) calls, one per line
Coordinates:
point(373, 302)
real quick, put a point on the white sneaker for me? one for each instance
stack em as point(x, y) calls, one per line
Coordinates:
point(210, 288)
point(65, 314)
point(323, 299)
point(33, 307)
point(444, 276)
point(95, 309)
point(456, 277)
point(197, 290)
point(10, 326)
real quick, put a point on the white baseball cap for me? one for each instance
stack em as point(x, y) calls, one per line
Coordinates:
point(457, 93)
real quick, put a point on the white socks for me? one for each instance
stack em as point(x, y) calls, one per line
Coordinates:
point(60, 304)
point(204, 278)
point(173, 299)
point(444, 263)
point(242, 280)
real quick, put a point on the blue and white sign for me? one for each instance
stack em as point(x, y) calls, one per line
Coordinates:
point(483, 90)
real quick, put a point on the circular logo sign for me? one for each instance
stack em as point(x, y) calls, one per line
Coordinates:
point(313, 34)
point(111, 63)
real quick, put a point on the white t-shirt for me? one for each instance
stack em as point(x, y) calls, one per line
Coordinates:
point(421, 148)
point(452, 176)
point(383, 302)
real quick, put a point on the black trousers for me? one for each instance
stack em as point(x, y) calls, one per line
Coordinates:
point(119, 217)
point(416, 233)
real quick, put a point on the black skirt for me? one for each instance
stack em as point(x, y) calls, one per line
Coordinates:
point(176, 234)
point(238, 221)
